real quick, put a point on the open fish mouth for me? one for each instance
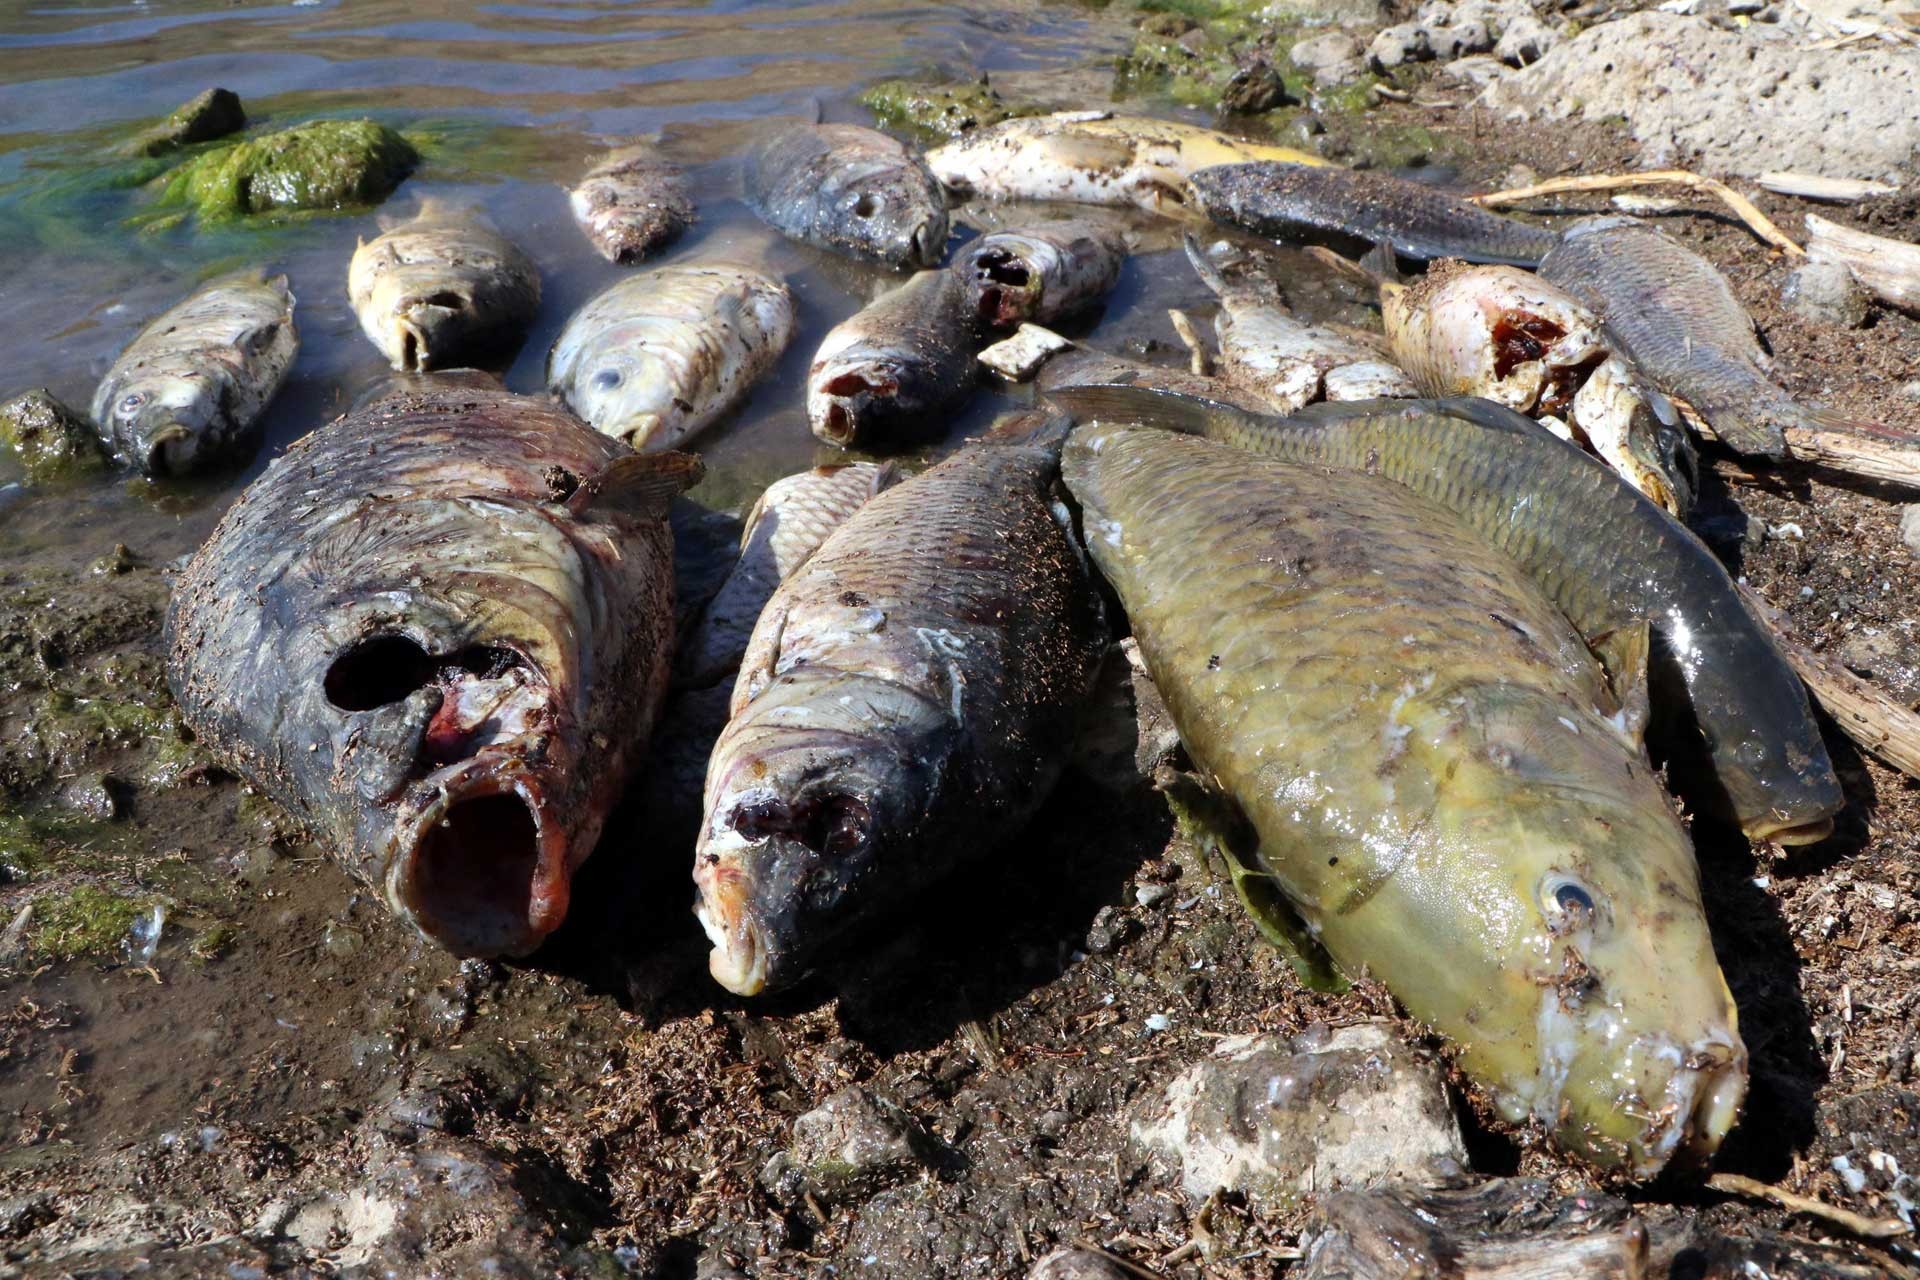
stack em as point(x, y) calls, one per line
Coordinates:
point(846, 390)
point(740, 958)
point(928, 244)
point(166, 449)
point(1702, 1101)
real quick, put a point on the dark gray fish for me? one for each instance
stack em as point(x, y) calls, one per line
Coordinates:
point(1295, 201)
point(882, 374)
point(438, 631)
point(851, 189)
point(633, 203)
point(1041, 275)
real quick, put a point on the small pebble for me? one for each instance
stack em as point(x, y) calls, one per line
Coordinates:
point(1825, 293)
point(1910, 526)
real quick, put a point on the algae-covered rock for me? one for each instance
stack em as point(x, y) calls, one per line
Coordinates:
point(52, 442)
point(323, 164)
point(940, 110)
point(90, 922)
point(213, 114)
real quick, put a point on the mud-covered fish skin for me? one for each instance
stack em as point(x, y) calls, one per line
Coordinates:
point(908, 700)
point(1606, 555)
point(1093, 157)
point(1285, 361)
point(1089, 367)
point(1292, 202)
point(1444, 785)
point(881, 375)
point(850, 189)
point(438, 630)
point(442, 290)
point(1041, 275)
point(788, 524)
point(660, 354)
point(1673, 315)
point(188, 392)
point(1507, 335)
point(632, 203)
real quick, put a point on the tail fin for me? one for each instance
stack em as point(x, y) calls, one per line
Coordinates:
point(1152, 406)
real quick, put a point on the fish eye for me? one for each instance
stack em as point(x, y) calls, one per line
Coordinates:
point(606, 379)
point(1569, 904)
point(132, 401)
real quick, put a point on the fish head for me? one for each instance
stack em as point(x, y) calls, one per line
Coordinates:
point(625, 390)
point(1579, 978)
point(811, 815)
point(1007, 286)
point(163, 421)
point(898, 212)
point(846, 391)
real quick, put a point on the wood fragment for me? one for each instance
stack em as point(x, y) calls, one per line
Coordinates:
point(1756, 221)
point(1887, 269)
point(1855, 1224)
point(1199, 362)
point(1811, 186)
point(1391, 95)
point(1870, 453)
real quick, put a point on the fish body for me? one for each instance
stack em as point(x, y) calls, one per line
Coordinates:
point(1093, 157)
point(1673, 315)
point(882, 374)
point(438, 631)
point(1444, 785)
point(906, 703)
point(1087, 366)
point(850, 189)
point(632, 203)
point(660, 354)
point(1039, 276)
point(1292, 202)
point(1511, 337)
point(189, 391)
point(442, 291)
point(1605, 554)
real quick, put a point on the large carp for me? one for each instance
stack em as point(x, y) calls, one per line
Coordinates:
point(850, 189)
point(1445, 786)
point(438, 630)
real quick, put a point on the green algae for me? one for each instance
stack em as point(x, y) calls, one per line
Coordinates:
point(52, 443)
point(87, 922)
point(939, 110)
point(322, 165)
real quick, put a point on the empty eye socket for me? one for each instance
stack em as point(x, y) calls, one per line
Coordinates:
point(606, 379)
point(451, 301)
point(1569, 903)
point(378, 671)
point(832, 824)
point(867, 205)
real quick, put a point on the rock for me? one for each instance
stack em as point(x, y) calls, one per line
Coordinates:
point(1730, 101)
point(1478, 70)
point(1910, 527)
point(1254, 88)
point(1109, 929)
point(51, 441)
point(1313, 13)
point(1525, 41)
point(1077, 1264)
point(1275, 1120)
point(1331, 49)
point(323, 164)
point(1331, 76)
point(1877, 653)
point(1459, 40)
point(1398, 45)
point(213, 114)
point(848, 1147)
point(939, 110)
point(1825, 293)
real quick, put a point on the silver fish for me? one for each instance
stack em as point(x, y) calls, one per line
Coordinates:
point(443, 290)
point(633, 203)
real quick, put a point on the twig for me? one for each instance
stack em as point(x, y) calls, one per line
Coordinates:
point(1392, 95)
point(1757, 221)
point(1811, 186)
point(1866, 450)
point(1197, 350)
point(1856, 1224)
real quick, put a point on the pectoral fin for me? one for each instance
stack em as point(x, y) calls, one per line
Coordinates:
point(1623, 652)
point(640, 485)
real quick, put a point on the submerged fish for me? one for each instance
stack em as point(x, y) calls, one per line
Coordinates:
point(1607, 556)
point(851, 189)
point(188, 392)
point(659, 354)
point(1445, 787)
point(1093, 157)
point(438, 630)
point(632, 203)
point(1041, 275)
point(1508, 335)
point(884, 372)
point(907, 702)
point(443, 290)
point(1285, 361)
point(1670, 312)
point(1291, 202)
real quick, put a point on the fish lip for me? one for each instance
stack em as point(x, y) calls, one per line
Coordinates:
point(155, 456)
point(740, 957)
point(416, 893)
point(1703, 1100)
point(1790, 831)
point(640, 432)
point(927, 244)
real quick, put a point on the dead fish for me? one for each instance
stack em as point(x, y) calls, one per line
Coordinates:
point(1093, 157)
point(907, 701)
point(1291, 202)
point(882, 374)
point(1670, 312)
point(632, 203)
point(659, 354)
point(189, 391)
point(437, 631)
point(1285, 361)
point(850, 189)
point(788, 523)
point(1083, 366)
point(1508, 335)
point(443, 290)
point(1044, 275)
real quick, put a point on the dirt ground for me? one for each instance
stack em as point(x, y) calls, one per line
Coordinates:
point(287, 1065)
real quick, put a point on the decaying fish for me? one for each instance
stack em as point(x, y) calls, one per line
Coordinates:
point(789, 522)
point(1609, 557)
point(851, 189)
point(882, 373)
point(442, 291)
point(632, 203)
point(1285, 361)
point(1508, 335)
point(190, 389)
point(907, 702)
point(1292, 202)
point(1445, 787)
point(438, 630)
point(659, 354)
point(1670, 312)
point(1043, 275)
point(1080, 366)
point(1093, 157)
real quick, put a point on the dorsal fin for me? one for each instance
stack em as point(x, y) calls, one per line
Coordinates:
point(1154, 406)
point(640, 485)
